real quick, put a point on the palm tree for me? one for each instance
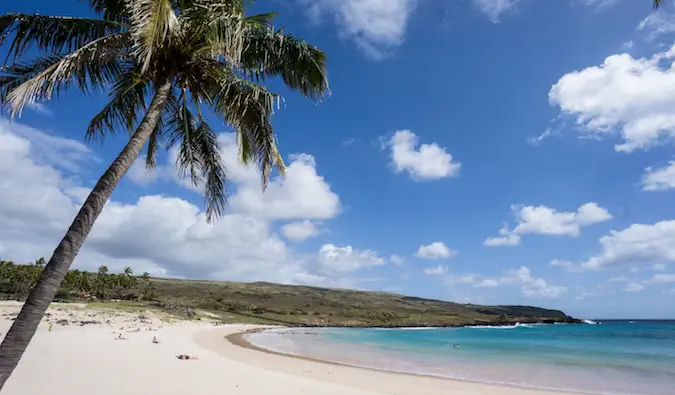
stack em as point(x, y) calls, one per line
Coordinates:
point(182, 55)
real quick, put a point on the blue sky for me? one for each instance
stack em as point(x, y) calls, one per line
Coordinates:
point(550, 121)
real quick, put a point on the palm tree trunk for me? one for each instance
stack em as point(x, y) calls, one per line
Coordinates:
point(23, 329)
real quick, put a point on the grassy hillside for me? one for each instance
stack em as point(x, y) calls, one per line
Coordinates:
point(264, 302)
point(303, 305)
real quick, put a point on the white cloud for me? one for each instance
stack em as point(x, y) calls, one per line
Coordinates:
point(663, 278)
point(301, 194)
point(567, 265)
point(139, 174)
point(166, 236)
point(633, 96)
point(506, 238)
point(376, 26)
point(436, 270)
point(597, 3)
point(547, 221)
point(642, 244)
point(435, 250)
point(397, 260)
point(334, 258)
point(429, 162)
point(469, 279)
point(659, 179)
point(40, 108)
point(300, 231)
point(659, 267)
point(619, 279)
point(487, 283)
point(494, 9)
point(532, 287)
point(64, 154)
point(634, 287)
point(657, 23)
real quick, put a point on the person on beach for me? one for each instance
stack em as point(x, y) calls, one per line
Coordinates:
point(154, 340)
point(185, 357)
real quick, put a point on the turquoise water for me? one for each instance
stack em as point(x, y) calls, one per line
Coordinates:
point(616, 357)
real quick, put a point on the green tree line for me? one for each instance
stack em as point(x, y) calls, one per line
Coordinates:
point(16, 281)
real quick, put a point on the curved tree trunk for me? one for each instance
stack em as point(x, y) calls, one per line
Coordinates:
point(23, 329)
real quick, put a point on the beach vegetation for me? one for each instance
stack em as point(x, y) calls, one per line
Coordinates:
point(266, 302)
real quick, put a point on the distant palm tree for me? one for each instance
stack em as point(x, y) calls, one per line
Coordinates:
point(184, 55)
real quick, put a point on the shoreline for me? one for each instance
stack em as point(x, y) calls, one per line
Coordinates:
point(98, 345)
point(420, 381)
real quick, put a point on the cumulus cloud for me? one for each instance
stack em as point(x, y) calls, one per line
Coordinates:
point(530, 286)
point(494, 9)
point(639, 244)
point(397, 260)
point(436, 270)
point(334, 258)
point(435, 250)
point(166, 236)
point(428, 162)
point(659, 267)
point(659, 179)
point(300, 231)
point(633, 96)
point(663, 278)
point(377, 27)
point(634, 287)
point(506, 238)
point(658, 23)
point(547, 221)
point(598, 4)
point(301, 194)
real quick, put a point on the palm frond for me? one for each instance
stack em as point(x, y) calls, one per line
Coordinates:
point(152, 24)
point(218, 28)
point(127, 101)
point(198, 155)
point(113, 10)
point(247, 107)
point(52, 33)
point(272, 53)
point(89, 67)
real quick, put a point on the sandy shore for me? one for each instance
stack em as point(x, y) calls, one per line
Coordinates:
point(80, 359)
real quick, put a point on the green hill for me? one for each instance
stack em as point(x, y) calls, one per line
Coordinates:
point(265, 302)
point(304, 305)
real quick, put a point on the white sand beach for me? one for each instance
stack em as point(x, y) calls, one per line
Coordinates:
point(81, 359)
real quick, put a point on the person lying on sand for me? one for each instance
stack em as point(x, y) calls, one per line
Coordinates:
point(185, 356)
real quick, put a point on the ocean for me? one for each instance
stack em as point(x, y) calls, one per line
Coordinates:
point(614, 357)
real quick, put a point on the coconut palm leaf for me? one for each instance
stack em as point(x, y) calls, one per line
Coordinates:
point(300, 65)
point(89, 67)
point(112, 10)
point(198, 154)
point(247, 107)
point(154, 23)
point(127, 100)
point(52, 33)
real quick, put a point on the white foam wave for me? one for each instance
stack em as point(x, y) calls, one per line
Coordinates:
point(590, 322)
point(517, 325)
